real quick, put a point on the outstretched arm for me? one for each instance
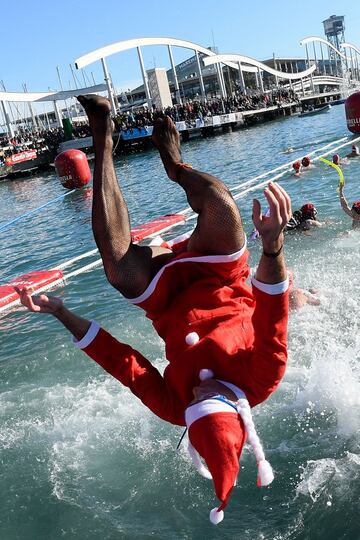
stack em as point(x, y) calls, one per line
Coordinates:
point(120, 360)
point(133, 370)
point(343, 201)
point(270, 291)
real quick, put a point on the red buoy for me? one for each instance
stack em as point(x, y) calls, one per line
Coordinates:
point(352, 110)
point(73, 168)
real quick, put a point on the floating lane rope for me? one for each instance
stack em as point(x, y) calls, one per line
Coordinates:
point(178, 219)
point(34, 211)
point(337, 168)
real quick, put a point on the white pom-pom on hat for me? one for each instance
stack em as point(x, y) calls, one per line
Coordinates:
point(265, 473)
point(192, 338)
point(216, 516)
point(205, 374)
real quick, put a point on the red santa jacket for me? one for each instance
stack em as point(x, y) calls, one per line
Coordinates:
point(240, 333)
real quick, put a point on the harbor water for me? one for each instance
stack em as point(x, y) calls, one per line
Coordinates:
point(82, 458)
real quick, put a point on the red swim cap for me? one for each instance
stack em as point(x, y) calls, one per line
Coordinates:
point(308, 211)
point(336, 159)
point(297, 165)
point(356, 207)
point(306, 161)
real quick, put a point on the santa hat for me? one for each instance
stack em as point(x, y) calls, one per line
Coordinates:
point(218, 429)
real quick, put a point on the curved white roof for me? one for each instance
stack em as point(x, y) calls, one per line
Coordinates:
point(241, 58)
point(350, 46)
point(50, 96)
point(311, 39)
point(121, 46)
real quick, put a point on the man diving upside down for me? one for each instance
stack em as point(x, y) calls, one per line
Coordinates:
point(225, 340)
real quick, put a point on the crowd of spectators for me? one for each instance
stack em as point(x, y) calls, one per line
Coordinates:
point(48, 140)
point(193, 109)
point(40, 140)
point(81, 130)
point(45, 140)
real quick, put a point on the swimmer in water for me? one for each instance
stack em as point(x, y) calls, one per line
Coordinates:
point(353, 212)
point(354, 152)
point(297, 168)
point(298, 298)
point(303, 219)
point(225, 341)
point(337, 160)
point(306, 163)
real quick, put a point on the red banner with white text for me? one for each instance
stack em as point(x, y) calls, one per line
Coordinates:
point(19, 158)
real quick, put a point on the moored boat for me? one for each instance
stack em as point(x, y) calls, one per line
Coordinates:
point(326, 108)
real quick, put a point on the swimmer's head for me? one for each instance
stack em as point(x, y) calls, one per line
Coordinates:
point(336, 159)
point(296, 166)
point(308, 211)
point(305, 162)
point(355, 149)
point(356, 207)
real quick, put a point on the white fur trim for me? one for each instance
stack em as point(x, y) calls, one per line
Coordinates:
point(198, 259)
point(192, 338)
point(203, 408)
point(215, 516)
point(180, 238)
point(237, 391)
point(199, 466)
point(245, 413)
point(89, 336)
point(265, 473)
point(272, 289)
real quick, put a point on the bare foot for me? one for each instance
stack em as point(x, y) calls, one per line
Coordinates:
point(98, 111)
point(166, 138)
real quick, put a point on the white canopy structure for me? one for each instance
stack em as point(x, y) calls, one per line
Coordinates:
point(330, 47)
point(241, 60)
point(32, 97)
point(354, 63)
point(39, 97)
point(120, 46)
point(314, 39)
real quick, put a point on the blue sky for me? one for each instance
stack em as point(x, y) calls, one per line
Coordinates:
point(37, 36)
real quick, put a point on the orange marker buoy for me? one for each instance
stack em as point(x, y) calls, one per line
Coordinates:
point(73, 169)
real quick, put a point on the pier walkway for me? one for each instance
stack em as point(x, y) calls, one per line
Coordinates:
point(139, 138)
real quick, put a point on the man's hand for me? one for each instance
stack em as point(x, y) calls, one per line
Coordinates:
point(39, 304)
point(54, 305)
point(271, 228)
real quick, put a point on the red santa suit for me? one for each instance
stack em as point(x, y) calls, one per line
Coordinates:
point(209, 318)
